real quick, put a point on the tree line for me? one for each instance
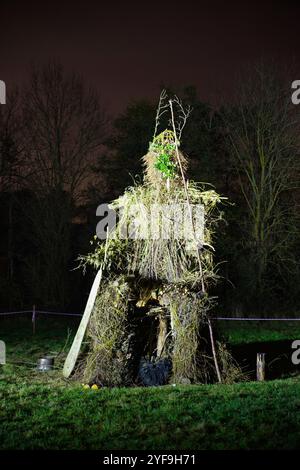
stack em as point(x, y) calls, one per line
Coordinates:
point(61, 155)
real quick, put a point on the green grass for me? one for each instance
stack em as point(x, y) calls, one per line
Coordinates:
point(53, 337)
point(247, 416)
point(241, 332)
point(44, 411)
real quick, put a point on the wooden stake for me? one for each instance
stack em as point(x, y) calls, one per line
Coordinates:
point(162, 334)
point(214, 351)
point(76, 345)
point(260, 367)
point(73, 354)
point(33, 319)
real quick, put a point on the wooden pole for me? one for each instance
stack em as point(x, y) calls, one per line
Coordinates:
point(73, 354)
point(162, 334)
point(214, 351)
point(33, 319)
point(260, 367)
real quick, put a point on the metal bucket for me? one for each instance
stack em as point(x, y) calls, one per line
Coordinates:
point(45, 364)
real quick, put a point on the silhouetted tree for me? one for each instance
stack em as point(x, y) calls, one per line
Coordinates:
point(10, 175)
point(263, 133)
point(64, 128)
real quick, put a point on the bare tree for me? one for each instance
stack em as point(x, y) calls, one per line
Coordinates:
point(10, 174)
point(264, 140)
point(10, 144)
point(64, 128)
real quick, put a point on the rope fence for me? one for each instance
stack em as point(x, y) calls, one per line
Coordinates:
point(34, 313)
point(253, 319)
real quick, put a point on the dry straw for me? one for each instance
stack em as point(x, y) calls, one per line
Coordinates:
point(155, 299)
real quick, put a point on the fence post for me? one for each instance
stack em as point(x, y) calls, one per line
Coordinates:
point(260, 367)
point(33, 319)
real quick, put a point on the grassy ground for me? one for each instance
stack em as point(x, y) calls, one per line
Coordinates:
point(241, 332)
point(41, 410)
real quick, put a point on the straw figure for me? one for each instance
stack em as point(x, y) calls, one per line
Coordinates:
point(150, 323)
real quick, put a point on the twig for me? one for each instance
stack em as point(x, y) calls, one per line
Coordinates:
point(162, 108)
point(183, 116)
point(186, 195)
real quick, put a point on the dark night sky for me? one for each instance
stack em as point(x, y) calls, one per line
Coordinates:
point(127, 49)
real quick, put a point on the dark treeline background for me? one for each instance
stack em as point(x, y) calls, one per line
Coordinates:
point(61, 156)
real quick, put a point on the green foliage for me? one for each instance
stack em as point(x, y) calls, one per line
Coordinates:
point(165, 165)
point(165, 160)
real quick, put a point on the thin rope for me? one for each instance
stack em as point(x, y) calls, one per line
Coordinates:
point(41, 311)
point(253, 319)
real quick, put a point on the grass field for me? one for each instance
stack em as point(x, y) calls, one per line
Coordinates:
point(42, 410)
point(244, 332)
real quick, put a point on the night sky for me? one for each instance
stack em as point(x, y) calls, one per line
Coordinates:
point(127, 50)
